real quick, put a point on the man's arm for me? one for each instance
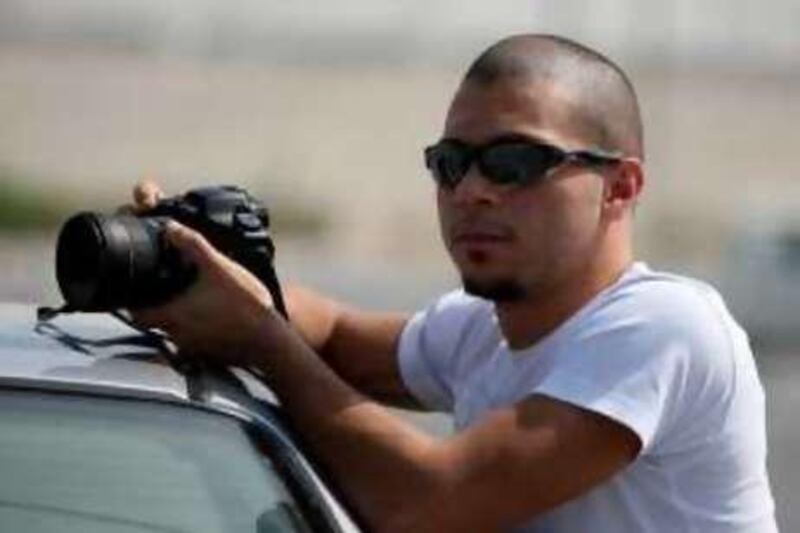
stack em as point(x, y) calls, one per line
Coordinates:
point(516, 463)
point(360, 346)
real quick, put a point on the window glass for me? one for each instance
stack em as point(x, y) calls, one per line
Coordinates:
point(84, 464)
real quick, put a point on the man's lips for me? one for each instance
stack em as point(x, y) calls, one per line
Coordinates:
point(482, 235)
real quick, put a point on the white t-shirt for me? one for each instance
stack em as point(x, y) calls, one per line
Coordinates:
point(655, 352)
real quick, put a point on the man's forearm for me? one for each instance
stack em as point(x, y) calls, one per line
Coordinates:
point(313, 315)
point(359, 346)
point(382, 462)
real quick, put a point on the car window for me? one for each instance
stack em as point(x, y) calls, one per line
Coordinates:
point(73, 463)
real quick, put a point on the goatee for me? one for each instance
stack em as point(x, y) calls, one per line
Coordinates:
point(499, 291)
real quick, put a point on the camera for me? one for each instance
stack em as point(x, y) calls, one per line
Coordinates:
point(108, 262)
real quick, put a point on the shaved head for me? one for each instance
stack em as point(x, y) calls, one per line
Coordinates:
point(603, 108)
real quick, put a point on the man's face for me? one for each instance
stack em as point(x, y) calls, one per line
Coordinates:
point(511, 242)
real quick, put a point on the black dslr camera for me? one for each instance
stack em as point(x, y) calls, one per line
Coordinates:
point(105, 262)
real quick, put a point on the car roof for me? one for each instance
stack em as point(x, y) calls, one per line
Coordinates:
point(89, 350)
point(93, 352)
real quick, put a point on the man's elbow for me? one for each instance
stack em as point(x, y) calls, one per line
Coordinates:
point(420, 501)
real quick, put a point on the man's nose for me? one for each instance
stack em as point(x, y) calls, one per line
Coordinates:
point(475, 188)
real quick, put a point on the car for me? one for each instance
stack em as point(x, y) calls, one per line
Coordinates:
point(103, 428)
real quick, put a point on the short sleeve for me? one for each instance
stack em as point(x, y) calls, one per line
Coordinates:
point(429, 345)
point(647, 359)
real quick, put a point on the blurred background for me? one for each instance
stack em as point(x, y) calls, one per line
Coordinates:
point(322, 110)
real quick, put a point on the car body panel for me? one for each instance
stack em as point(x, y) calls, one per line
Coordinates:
point(83, 351)
point(98, 354)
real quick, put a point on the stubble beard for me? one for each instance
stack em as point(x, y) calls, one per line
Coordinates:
point(498, 291)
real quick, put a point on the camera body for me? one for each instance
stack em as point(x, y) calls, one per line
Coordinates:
point(124, 261)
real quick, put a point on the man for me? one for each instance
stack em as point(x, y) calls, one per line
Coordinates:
point(589, 392)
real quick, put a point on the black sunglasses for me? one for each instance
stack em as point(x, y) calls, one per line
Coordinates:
point(504, 161)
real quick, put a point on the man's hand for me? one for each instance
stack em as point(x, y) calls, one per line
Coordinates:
point(223, 314)
point(217, 315)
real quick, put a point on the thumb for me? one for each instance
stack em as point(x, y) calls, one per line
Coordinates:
point(146, 194)
point(191, 244)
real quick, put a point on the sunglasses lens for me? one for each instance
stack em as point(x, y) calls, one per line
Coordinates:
point(448, 162)
point(503, 163)
point(518, 162)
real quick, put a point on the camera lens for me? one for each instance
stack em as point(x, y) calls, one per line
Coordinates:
point(105, 263)
point(111, 262)
point(78, 259)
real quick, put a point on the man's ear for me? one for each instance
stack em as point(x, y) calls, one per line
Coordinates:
point(624, 183)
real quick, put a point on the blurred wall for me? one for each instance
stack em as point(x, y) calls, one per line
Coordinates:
point(326, 108)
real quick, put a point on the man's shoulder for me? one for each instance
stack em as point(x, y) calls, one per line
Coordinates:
point(458, 299)
point(459, 306)
point(660, 315)
point(664, 300)
point(446, 320)
point(645, 282)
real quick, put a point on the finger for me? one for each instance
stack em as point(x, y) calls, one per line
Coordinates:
point(146, 194)
point(149, 318)
point(192, 244)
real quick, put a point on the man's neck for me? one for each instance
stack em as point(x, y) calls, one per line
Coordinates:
point(527, 321)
